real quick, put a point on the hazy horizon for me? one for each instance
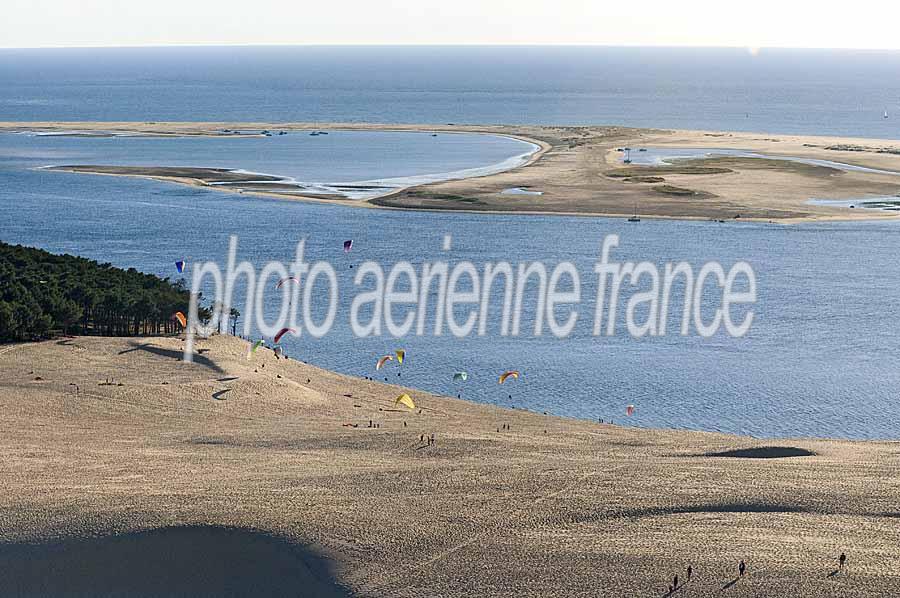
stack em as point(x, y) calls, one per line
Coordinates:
point(753, 50)
point(692, 23)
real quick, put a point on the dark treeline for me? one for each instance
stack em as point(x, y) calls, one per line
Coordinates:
point(42, 294)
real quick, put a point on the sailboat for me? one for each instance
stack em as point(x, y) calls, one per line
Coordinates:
point(885, 114)
point(635, 217)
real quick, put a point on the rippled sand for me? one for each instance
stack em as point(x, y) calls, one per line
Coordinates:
point(550, 507)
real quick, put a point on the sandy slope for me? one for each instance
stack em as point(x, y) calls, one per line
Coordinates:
point(552, 507)
point(572, 172)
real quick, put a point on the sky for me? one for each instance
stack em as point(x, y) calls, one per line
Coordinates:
point(866, 24)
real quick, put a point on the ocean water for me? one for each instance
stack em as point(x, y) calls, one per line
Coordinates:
point(841, 92)
point(817, 361)
point(319, 164)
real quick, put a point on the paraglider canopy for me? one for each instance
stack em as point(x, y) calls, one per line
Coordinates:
point(406, 400)
point(284, 280)
point(180, 265)
point(510, 374)
point(460, 377)
point(282, 332)
point(401, 354)
point(254, 347)
point(179, 317)
point(629, 411)
point(348, 245)
point(380, 363)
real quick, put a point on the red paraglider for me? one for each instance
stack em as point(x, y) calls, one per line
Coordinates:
point(282, 332)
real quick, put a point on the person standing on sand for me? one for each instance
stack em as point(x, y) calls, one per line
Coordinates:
point(675, 582)
point(742, 567)
point(842, 560)
point(690, 572)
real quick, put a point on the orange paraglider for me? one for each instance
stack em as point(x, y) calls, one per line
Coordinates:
point(510, 374)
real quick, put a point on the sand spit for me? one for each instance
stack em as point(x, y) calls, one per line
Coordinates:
point(108, 440)
point(578, 171)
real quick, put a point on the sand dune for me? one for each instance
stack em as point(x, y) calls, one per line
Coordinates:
point(149, 457)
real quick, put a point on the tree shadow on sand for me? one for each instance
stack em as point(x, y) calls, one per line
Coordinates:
point(171, 353)
point(176, 561)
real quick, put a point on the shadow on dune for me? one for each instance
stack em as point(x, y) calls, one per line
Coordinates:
point(763, 452)
point(735, 507)
point(220, 395)
point(175, 561)
point(154, 350)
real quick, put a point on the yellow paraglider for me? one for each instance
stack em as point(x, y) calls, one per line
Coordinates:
point(400, 355)
point(510, 374)
point(380, 363)
point(406, 400)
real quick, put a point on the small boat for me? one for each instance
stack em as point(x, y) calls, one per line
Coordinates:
point(314, 134)
point(885, 114)
point(634, 218)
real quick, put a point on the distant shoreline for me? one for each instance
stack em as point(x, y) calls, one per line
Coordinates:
point(580, 172)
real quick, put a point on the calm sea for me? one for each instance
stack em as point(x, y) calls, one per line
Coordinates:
point(782, 91)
